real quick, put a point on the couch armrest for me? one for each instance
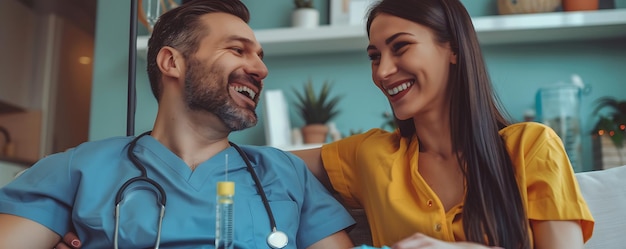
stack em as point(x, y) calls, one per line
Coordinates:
point(605, 193)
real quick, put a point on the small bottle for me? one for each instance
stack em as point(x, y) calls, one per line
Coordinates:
point(224, 229)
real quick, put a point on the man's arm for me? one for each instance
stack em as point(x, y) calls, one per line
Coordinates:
point(18, 232)
point(338, 240)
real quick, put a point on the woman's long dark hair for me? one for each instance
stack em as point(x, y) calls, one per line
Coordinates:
point(493, 212)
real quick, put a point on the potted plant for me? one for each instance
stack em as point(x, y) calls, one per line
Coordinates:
point(305, 15)
point(611, 127)
point(316, 110)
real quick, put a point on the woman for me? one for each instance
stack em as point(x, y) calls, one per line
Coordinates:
point(456, 169)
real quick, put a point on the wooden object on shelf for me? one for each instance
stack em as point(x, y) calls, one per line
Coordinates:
point(578, 5)
point(507, 7)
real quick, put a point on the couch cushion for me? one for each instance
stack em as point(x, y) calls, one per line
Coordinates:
point(605, 193)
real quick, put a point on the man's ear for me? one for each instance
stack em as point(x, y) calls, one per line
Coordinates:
point(170, 62)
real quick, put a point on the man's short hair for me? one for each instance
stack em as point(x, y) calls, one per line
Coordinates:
point(181, 29)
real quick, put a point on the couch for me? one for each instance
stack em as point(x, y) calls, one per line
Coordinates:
point(604, 191)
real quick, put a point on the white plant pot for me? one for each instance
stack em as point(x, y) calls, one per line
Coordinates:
point(305, 18)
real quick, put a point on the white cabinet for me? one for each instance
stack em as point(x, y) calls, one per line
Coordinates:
point(492, 30)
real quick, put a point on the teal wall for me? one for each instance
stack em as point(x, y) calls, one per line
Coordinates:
point(517, 71)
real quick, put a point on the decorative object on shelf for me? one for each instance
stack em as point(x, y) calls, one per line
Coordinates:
point(359, 10)
point(506, 7)
point(611, 129)
point(150, 10)
point(316, 110)
point(349, 12)
point(558, 106)
point(305, 15)
point(578, 5)
point(339, 11)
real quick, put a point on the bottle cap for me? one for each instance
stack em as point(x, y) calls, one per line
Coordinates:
point(225, 188)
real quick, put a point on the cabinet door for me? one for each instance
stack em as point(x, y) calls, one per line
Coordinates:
point(17, 66)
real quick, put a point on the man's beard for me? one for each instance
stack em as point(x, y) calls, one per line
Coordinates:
point(205, 91)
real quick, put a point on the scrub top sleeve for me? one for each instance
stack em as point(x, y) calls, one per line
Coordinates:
point(321, 214)
point(44, 193)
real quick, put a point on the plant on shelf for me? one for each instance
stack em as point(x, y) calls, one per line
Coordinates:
point(303, 3)
point(613, 124)
point(316, 109)
point(305, 15)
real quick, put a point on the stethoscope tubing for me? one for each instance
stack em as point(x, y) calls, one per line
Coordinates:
point(162, 198)
point(257, 183)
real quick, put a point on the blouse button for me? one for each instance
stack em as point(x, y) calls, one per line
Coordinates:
point(438, 227)
point(429, 203)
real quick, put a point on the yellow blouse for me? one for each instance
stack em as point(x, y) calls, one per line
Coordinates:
point(377, 171)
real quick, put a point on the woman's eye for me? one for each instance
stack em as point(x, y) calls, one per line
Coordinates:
point(373, 57)
point(398, 46)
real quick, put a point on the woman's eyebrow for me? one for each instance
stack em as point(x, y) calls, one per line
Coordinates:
point(390, 39)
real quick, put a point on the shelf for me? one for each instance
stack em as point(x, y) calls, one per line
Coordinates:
point(492, 30)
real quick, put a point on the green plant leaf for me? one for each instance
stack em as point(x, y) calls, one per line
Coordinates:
point(611, 123)
point(316, 108)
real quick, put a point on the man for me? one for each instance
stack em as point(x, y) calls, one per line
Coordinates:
point(206, 70)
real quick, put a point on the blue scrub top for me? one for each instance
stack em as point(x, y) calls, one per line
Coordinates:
point(76, 189)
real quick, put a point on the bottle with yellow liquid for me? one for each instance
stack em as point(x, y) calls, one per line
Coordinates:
point(224, 217)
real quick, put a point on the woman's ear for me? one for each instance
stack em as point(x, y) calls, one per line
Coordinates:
point(170, 62)
point(453, 59)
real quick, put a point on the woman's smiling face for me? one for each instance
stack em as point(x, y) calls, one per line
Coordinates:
point(409, 65)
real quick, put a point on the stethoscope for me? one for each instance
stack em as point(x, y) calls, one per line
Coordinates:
point(276, 239)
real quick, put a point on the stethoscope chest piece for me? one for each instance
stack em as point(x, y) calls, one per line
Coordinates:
point(277, 239)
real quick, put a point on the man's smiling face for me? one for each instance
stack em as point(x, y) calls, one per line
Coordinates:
point(224, 76)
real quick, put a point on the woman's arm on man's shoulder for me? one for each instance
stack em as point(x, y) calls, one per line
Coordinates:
point(313, 160)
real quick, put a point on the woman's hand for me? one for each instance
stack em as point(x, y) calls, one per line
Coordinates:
point(70, 241)
point(421, 241)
